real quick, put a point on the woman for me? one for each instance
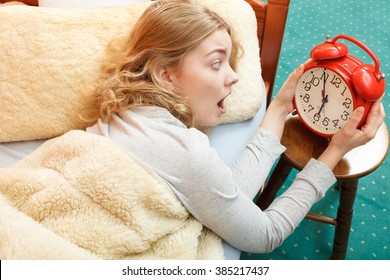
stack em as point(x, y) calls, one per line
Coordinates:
point(172, 77)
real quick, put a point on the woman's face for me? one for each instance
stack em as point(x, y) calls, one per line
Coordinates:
point(205, 77)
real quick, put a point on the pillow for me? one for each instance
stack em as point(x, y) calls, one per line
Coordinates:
point(49, 57)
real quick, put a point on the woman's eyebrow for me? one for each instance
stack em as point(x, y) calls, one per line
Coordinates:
point(218, 50)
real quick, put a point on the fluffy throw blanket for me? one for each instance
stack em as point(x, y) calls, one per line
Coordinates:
point(81, 196)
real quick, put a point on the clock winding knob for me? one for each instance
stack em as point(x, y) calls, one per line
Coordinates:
point(381, 76)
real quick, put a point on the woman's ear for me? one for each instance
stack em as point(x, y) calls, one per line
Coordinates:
point(164, 73)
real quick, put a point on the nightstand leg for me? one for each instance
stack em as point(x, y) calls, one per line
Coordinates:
point(344, 218)
point(279, 175)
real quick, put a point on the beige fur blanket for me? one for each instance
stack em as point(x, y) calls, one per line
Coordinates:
point(81, 196)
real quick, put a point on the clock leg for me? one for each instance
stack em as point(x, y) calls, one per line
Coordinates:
point(344, 218)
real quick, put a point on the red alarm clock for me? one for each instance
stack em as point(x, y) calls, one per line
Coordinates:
point(335, 83)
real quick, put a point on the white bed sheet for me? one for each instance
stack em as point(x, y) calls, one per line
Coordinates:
point(13, 151)
point(231, 139)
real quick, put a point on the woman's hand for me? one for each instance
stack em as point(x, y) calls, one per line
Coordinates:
point(282, 105)
point(285, 96)
point(351, 137)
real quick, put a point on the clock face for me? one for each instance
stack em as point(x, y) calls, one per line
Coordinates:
point(323, 101)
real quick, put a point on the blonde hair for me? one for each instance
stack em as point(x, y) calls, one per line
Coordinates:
point(162, 36)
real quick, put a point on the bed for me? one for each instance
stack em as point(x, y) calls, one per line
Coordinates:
point(58, 201)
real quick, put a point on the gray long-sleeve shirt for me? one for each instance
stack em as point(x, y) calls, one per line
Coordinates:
point(219, 196)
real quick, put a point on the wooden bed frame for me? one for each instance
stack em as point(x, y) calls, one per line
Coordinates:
point(271, 21)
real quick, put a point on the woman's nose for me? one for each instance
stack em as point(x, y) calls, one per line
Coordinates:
point(233, 77)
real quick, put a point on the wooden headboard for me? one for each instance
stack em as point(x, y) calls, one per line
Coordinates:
point(271, 22)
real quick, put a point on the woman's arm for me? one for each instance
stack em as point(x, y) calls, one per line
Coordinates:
point(212, 193)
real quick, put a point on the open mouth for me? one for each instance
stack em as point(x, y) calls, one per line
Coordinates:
point(221, 106)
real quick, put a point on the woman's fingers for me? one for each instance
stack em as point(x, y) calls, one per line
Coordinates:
point(374, 120)
point(352, 124)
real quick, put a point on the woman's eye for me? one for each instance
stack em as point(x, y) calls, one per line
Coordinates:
point(216, 65)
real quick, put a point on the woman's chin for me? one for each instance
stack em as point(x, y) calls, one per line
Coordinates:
point(209, 123)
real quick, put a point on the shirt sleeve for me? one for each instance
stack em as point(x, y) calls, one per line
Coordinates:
point(255, 163)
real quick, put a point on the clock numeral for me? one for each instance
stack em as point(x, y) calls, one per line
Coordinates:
point(317, 117)
point(342, 93)
point(345, 116)
point(325, 121)
point(347, 103)
point(306, 98)
point(336, 81)
point(311, 108)
point(324, 76)
point(307, 86)
point(315, 81)
point(335, 122)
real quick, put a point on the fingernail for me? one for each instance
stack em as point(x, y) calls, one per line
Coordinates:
point(359, 110)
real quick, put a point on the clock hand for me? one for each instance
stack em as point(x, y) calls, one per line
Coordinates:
point(324, 97)
point(323, 88)
point(324, 100)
